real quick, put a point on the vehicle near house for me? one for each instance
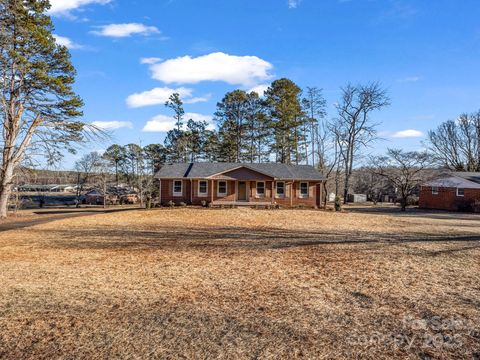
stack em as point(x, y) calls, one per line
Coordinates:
point(457, 191)
point(240, 184)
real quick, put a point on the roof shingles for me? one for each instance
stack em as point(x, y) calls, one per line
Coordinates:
point(205, 170)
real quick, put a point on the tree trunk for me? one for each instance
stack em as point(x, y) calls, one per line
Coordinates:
point(6, 189)
point(324, 184)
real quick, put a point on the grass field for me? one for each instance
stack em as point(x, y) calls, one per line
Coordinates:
point(241, 283)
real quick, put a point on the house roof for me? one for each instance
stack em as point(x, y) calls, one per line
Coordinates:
point(206, 170)
point(470, 176)
point(468, 180)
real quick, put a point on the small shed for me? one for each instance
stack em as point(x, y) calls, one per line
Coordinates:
point(357, 198)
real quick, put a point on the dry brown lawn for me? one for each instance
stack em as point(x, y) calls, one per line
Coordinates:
point(242, 284)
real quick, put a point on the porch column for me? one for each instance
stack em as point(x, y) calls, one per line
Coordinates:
point(235, 193)
point(321, 194)
point(272, 194)
point(160, 192)
point(191, 191)
point(211, 191)
point(291, 193)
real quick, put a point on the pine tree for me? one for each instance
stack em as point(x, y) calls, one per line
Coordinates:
point(285, 112)
point(116, 155)
point(257, 130)
point(175, 141)
point(37, 102)
point(315, 128)
point(231, 118)
point(155, 155)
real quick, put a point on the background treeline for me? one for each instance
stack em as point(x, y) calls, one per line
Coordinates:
point(280, 126)
point(290, 125)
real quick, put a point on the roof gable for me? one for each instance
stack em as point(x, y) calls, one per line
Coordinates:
point(242, 172)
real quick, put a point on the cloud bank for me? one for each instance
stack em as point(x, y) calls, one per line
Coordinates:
point(159, 95)
point(410, 133)
point(164, 123)
point(65, 7)
point(235, 70)
point(126, 30)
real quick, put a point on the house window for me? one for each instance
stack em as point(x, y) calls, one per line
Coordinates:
point(177, 188)
point(460, 192)
point(280, 189)
point(304, 189)
point(434, 190)
point(222, 188)
point(202, 188)
point(260, 188)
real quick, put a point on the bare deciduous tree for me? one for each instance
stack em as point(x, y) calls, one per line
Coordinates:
point(404, 170)
point(314, 108)
point(354, 127)
point(456, 144)
point(86, 167)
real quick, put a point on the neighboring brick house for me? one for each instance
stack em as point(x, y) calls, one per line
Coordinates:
point(240, 184)
point(458, 191)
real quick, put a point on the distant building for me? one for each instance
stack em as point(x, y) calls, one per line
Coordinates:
point(458, 191)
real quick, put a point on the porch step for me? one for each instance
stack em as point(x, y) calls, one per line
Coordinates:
point(241, 203)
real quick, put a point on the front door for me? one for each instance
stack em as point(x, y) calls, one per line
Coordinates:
point(242, 191)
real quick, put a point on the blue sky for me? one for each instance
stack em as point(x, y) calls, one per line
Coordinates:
point(131, 54)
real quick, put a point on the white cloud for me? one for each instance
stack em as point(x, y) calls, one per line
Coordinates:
point(409, 79)
point(150, 60)
point(293, 4)
point(126, 30)
point(64, 7)
point(234, 70)
point(198, 99)
point(410, 133)
point(160, 123)
point(259, 89)
point(112, 125)
point(164, 123)
point(65, 41)
point(159, 95)
point(201, 117)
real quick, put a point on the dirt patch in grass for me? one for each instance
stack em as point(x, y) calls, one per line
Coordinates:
point(241, 283)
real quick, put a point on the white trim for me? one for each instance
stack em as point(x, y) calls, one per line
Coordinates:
point(202, 194)
point(277, 195)
point(434, 190)
point(303, 196)
point(463, 192)
point(176, 193)
point(239, 167)
point(257, 195)
point(219, 194)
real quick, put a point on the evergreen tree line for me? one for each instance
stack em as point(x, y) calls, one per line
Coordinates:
point(281, 127)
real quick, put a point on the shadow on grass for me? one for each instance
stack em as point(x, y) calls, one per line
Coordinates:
point(414, 212)
point(235, 238)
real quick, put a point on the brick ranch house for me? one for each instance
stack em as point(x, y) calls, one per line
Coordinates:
point(240, 184)
point(458, 191)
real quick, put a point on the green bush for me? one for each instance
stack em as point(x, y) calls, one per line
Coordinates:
point(338, 203)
